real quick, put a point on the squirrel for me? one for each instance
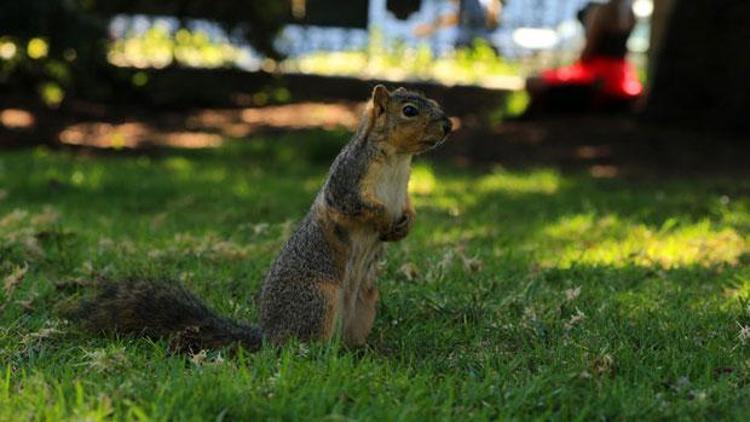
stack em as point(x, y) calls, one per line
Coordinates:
point(322, 283)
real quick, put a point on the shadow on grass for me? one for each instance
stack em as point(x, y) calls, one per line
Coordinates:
point(532, 232)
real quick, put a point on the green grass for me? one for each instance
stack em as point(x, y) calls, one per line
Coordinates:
point(520, 294)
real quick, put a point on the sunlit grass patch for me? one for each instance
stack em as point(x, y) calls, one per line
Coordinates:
point(455, 193)
point(538, 181)
point(739, 289)
point(611, 241)
point(422, 180)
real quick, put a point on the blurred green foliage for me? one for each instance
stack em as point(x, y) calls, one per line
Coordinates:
point(513, 105)
point(256, 21)
point(59, 47)
point(47, 44)
point(478, 64)
point(158, 47)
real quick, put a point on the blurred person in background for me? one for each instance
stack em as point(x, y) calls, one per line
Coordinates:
point(472, 18)
point(602, 78)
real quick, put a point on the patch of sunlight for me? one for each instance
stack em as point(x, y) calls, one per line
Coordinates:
point(312, 184)
point(454, 206)
point(343, 62)
point(241, 189)
point(159, 47)
point(586, 226)
point(16, 118)
point(52, 93)
point(422, 180)
point(450, 195)
point(7, 49)
point(737, 215)
point(37, 48)
point(740, 289)
point(538, 181)
point(478, 64)
point(179, 165)
point(517, 103)
point(77, 178)
point(153, 48)
point(611, 241)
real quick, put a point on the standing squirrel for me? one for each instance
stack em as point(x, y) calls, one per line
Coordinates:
point(322, 283)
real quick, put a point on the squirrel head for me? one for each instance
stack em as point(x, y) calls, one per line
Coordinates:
point(406, 122)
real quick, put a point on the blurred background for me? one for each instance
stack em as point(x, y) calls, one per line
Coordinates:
point(632, 85)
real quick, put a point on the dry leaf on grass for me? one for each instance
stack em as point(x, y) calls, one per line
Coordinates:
point(410, 271)
point(105, 360)
point(572, 294)
point(14, 279)
point(471, 264)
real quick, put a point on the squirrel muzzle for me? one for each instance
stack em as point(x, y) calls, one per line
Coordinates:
point(408, 121)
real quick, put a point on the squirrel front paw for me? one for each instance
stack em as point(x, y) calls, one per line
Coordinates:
point(399, 229)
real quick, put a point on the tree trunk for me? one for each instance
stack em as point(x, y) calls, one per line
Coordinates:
point(701, 69)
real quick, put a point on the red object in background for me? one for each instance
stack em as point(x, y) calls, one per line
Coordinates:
point(615, 79)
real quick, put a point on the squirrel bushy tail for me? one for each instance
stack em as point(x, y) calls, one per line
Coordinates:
point(163, 310)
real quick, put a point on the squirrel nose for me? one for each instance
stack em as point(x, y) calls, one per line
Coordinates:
point(447, 125)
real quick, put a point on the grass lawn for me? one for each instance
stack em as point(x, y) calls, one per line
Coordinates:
point(519, 294)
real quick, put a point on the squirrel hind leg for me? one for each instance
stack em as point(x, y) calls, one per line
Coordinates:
point(314, 315)
point(358, 324)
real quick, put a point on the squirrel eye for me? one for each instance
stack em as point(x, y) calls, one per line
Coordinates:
point(410, 111)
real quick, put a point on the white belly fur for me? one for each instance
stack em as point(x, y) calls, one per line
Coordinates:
point(392, 184)
point(366, 249)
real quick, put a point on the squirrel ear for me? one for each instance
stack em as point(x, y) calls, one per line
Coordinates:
point(400, 89)
point(380, 99)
